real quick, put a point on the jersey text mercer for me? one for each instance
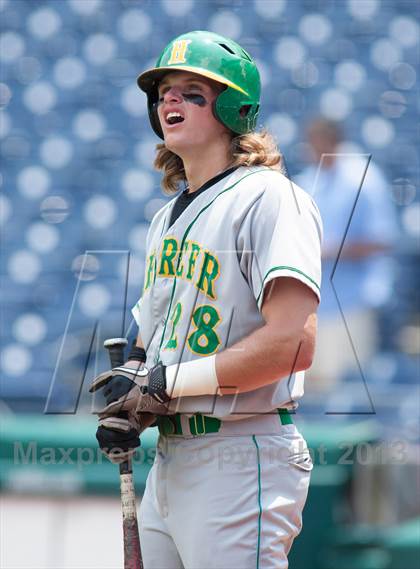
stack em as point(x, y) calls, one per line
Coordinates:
point(172, 262)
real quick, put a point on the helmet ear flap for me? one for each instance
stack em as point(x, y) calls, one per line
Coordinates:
point(235, 112)
point(218, 117)
point(244, 110)
point(215, 113)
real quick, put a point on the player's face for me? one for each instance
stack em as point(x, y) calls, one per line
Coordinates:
point(185, 111)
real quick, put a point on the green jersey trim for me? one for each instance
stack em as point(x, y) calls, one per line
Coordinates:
point(183, 241)
point(259, 502)
point(286, 268)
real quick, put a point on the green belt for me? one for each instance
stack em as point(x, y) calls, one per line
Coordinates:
point(202, 425)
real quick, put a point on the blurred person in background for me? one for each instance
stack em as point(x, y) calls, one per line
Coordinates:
point(357, 283)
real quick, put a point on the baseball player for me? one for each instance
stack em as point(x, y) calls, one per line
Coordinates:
point(227, 323)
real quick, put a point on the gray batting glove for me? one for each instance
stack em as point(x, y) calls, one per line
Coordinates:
point(126, 388)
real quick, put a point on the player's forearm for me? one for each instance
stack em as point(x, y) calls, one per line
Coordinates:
point(283, 345)
point(264, 356)
point(260, 359)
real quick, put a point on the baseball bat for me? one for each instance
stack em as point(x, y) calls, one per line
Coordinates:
point(132, 551)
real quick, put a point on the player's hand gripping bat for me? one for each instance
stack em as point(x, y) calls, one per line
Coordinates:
point(132, 551)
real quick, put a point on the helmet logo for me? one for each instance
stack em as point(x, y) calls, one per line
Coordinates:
point(178, 53)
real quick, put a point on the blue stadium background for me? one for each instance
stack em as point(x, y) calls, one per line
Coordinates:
point(77, 153)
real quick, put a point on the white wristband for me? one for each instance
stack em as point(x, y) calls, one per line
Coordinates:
point(192, 378)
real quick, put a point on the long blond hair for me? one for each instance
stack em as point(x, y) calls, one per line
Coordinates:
point(252, 149)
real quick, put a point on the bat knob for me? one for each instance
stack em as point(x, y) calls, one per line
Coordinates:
point(117, 342)
point(115, 347)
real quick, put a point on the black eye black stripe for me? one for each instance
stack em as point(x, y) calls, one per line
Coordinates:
point(194, 98)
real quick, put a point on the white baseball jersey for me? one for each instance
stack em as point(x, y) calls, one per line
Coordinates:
point(205, 277)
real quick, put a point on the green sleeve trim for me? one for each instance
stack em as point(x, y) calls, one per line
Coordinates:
point(259, 501)
point(286, 268)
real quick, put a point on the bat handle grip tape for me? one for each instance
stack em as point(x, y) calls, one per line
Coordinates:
point(126, 467)
point(115, 347)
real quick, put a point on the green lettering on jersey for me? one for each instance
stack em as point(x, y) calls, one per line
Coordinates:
point(172, 343)
point(183, 253)
point(204, 340)
point(169, 252)
point(210, 270)
point(195, 250)
point(150, 271)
